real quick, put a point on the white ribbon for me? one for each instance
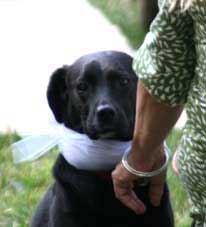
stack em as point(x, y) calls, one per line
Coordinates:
point(78, 149)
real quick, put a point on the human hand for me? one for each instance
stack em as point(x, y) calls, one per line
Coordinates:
point(174, 164)
point(123, 181)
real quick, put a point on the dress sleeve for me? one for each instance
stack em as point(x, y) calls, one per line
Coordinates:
point(166, 60)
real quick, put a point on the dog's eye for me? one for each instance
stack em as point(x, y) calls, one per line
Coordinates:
point(124, 81)
point(81, 87)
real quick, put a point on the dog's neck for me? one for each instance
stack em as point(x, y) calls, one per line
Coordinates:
point(78, 149)
point(87, 154)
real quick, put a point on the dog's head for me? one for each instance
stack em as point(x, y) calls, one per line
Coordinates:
point(96, 95)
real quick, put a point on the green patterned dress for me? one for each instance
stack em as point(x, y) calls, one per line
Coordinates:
point(172, 65)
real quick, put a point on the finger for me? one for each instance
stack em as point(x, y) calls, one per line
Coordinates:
point(156, 189)
point(139, 203)
point(121, 174)
point(129, 199)
point(174, 164)
point(123, 185)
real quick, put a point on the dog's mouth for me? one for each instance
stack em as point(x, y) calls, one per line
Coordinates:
point(107, 135)
point(101, 133)
point(110, 133)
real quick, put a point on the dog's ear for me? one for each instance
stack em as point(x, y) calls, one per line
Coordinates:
point(56, 93)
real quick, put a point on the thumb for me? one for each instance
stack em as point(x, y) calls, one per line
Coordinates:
point(156, 189)
point(174, 164)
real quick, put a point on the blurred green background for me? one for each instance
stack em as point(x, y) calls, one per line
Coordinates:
point(125, 14)
point(133, 17)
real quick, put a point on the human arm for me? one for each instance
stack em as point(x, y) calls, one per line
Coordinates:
point(165, 65)
point(154, 121)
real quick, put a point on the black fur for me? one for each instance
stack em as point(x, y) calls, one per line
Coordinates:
point(96, 95)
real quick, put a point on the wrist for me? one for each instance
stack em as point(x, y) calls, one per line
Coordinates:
point(140, 161)
point(144, 159)
point(159, 166)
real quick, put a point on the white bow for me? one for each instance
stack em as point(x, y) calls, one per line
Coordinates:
point(78, 149)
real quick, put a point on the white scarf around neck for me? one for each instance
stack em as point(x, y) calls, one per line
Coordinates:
point(78, 149)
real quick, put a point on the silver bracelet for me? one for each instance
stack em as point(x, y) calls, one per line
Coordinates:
point(146, 174)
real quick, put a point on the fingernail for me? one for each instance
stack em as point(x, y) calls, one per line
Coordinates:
point(156, 203)
point(141, 210)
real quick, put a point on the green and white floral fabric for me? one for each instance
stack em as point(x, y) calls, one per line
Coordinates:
point(172, 65)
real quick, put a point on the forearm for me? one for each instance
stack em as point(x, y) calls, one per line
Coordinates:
point(154, 121)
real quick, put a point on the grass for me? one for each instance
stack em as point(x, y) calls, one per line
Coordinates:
point(124, 14)
point(178, 194)
point(22, 186)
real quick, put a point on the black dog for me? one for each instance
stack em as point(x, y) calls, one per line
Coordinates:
point(95, 96)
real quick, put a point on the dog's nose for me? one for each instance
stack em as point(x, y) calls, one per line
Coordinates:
point(105, 113)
